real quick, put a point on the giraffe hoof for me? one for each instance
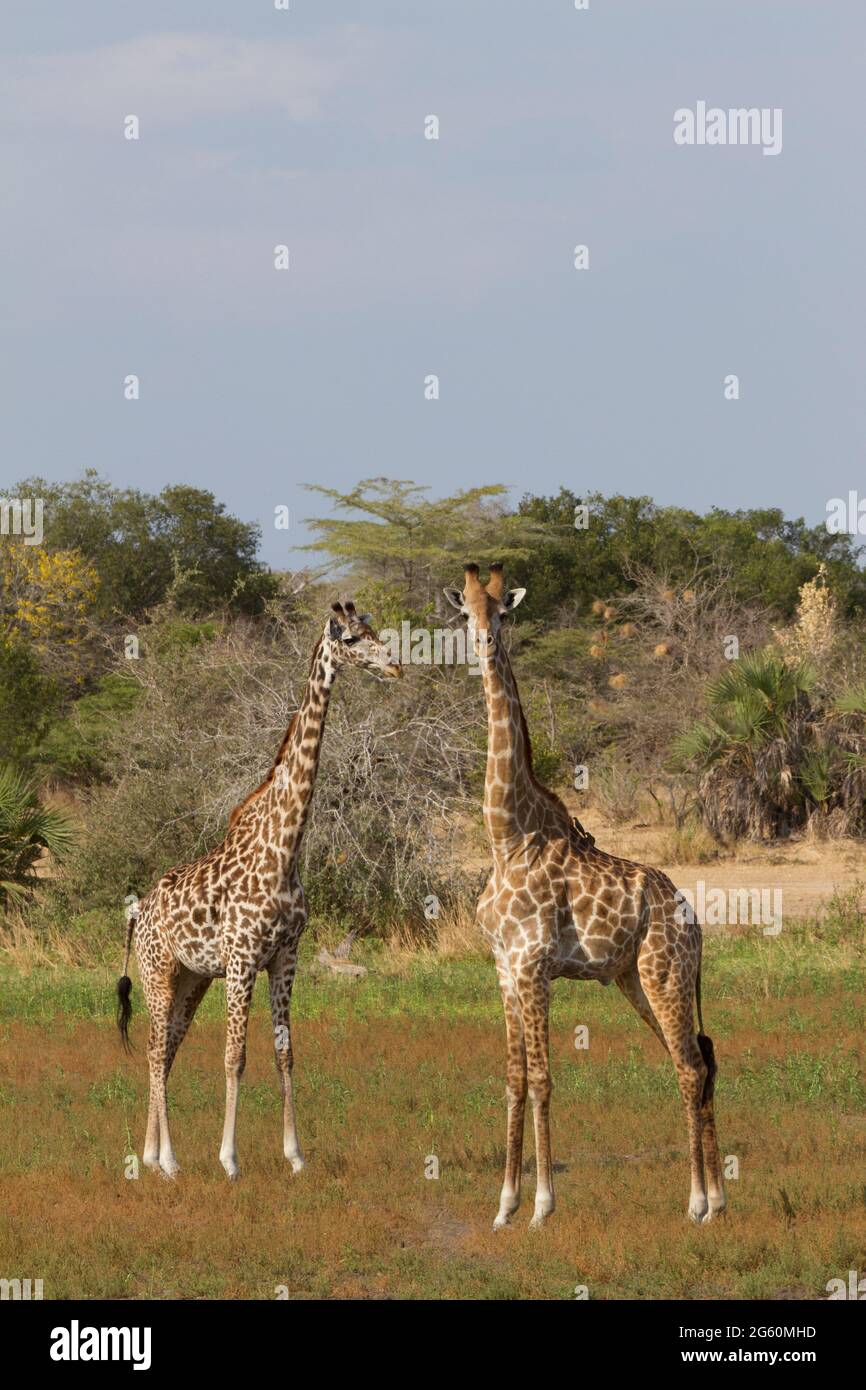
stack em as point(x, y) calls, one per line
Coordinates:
point(502, 1223)
point(297, 1162)
point(233, 1172)
point(716, 1210)
point(168, 1170)
point(543, 1209)
point(698, 1215)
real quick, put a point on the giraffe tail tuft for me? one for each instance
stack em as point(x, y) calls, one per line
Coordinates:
point(124, 984)
point(124, 1010)
point(705, 1043)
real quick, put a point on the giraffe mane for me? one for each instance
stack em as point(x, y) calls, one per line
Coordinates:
point(550, 796)
point(263, 786)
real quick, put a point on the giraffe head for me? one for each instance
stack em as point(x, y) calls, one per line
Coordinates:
point(351, 641)
point(484, 608)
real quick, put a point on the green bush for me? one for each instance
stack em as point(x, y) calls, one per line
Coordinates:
point(28, 700)
point(74, 749)
point(775, 755)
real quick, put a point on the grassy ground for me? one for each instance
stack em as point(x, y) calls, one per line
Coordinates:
point(408, 1063)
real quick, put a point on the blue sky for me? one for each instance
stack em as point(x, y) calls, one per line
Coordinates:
point(452, 257)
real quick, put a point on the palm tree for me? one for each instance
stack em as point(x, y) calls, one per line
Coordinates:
point(27, 830)
point(749, 750)
point(750, 705)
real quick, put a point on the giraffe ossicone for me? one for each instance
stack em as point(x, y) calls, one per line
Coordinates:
point(240, 909)
point(556, 905)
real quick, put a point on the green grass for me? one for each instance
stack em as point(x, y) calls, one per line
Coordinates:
point(409, 1062)
point(741, 970)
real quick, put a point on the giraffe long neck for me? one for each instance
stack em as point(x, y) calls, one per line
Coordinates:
point(511, 794)
point(293, 776)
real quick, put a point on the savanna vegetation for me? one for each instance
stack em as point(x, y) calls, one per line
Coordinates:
point(405, 1066)
point(708, 672)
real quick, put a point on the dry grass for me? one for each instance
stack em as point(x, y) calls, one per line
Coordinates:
point(25, 947)
point(391, 1071)
point(690, 843)
point(453, 933)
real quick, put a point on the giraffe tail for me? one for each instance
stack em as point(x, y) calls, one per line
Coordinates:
point(705, 1043)
point(124, 984)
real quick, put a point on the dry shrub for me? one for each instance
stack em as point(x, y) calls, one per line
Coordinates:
point(814, 634)
point(616, 788)
point(398, 764)
point(657, 686)
point(689, 843)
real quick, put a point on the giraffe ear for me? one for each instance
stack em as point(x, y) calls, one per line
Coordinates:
point(455, 598)
point(512, 599)
point(366, 619)
point(335, 630)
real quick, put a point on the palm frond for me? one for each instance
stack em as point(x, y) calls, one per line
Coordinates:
point(27, 830)
point(852, 701)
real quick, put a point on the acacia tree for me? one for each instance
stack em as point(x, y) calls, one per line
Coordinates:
point(413, 543)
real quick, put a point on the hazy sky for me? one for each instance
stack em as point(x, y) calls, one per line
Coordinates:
point(412, 256)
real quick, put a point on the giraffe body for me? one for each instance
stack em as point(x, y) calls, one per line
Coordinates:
point(557, 906)
point(240, 909)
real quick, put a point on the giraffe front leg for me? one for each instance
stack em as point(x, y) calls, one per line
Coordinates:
point(281, 977)
point(240, 980)
point(509, 1199)
point(534, 1001)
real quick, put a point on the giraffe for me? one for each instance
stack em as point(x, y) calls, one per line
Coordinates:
point(556, 906)
point(240, 909)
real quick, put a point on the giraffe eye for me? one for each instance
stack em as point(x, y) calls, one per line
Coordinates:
point(350, 641)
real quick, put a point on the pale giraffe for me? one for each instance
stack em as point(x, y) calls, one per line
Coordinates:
point(240, 909)
point(555, 905)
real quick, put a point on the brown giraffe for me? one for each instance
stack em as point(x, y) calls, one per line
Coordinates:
point(240, 909)
point(555, 905)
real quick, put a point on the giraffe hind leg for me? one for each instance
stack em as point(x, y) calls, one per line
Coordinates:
point(281, 976)
point(172, 999)
point(190, 991)
point(671, 999)
point(160, 994)
point(716, 1197)
point(630, 985)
